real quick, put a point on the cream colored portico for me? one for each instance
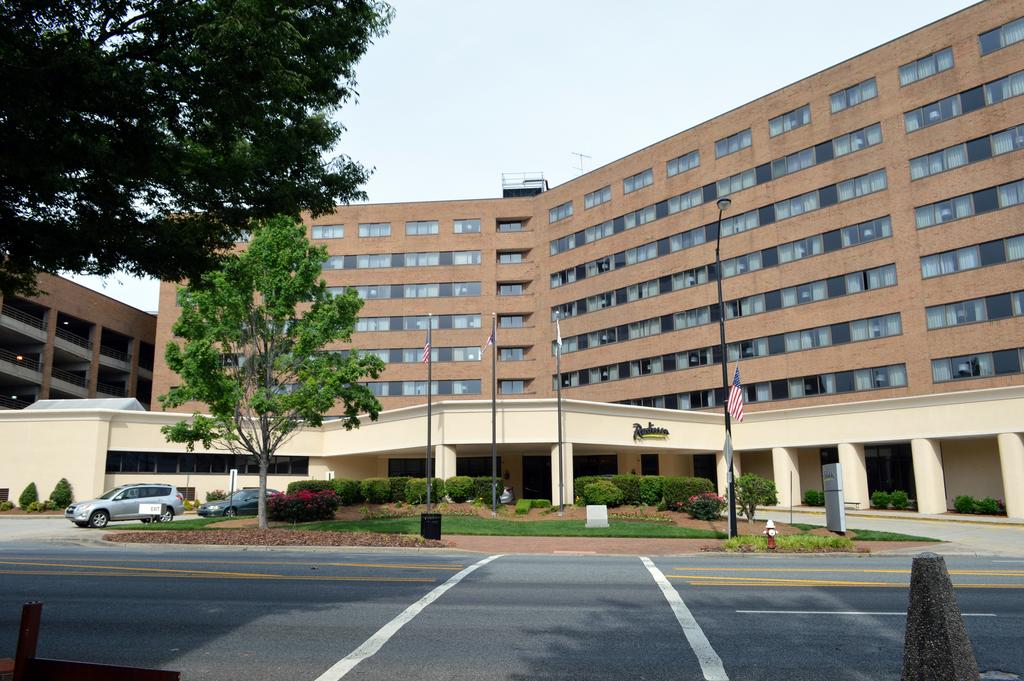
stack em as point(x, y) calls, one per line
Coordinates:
point(960, 443)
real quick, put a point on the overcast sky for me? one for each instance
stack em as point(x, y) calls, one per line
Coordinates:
point(461, 91)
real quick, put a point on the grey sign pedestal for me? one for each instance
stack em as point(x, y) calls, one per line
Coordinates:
point(835, 510)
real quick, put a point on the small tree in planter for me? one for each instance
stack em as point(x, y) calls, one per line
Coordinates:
point(28, 496)
point(61, 496)
point(753, 491)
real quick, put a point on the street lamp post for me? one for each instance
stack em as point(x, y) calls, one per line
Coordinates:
point(724, 204)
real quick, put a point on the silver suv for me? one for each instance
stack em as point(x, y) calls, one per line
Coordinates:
point(143, 501)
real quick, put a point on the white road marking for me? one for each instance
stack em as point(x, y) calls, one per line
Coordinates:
point(375, 642)
point(846, 612)
point(1008, 561)
point(709, 661)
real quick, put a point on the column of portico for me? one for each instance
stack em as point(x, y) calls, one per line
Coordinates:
point(566, 473)
point(723, 470)
point(786, 464)
point(444, 461)
point(855, 475)
point(1011, 462)
point(928, 476)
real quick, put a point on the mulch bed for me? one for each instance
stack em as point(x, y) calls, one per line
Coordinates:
point(275, 537)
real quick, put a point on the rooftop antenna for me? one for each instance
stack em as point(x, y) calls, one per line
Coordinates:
point(581, 157)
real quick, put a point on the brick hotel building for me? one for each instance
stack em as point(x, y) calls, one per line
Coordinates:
point(873, 273)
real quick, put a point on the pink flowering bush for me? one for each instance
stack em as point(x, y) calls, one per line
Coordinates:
point(706, 506)
point(303, 506)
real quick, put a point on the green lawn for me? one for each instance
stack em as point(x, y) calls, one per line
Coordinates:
point(878, 535)
point(512, 528)
point(190, 524)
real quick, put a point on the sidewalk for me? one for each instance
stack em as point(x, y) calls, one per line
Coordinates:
point(909, 515)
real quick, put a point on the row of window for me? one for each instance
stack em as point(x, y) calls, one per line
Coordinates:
point(385, 260)
point(989, 308)
point(973, 257)
point(856, 380)
point(418, 322)
point(383, 229)
point(560, 212)
point(833, 287)
point(926, 66)
point(170, 462)
point(972, 151)
point(393, 291)
point(998, 363)
point(786, 165)
point(791, 120)
point(415, 355)
point(827, 242)
point(409, 388)
point(820, 198)
point(1003, 36)
point(965, 206)
point(782, 343)
point(853, 95)
point(964, 102)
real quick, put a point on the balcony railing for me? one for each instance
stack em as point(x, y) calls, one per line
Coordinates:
point(108, 389)
point(74, 338)
point(19, 360)
point(24, 318)
point(115, 354)
point(69, 377)
point(13, 403)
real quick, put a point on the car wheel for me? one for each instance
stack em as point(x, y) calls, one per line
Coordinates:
point(146, 520)
point(167, 516)
point(99, 519)
point(82, 524)
point(231, 512)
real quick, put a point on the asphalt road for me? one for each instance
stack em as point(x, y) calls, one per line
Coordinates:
point(258, 614)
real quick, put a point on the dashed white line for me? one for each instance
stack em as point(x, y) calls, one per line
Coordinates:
point(375, 642)
point(710, 663)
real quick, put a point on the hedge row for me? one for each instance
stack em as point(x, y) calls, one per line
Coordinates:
point(636, 490)
point(399, 489)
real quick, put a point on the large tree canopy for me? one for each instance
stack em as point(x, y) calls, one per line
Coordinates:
point(253, 334)
point(142, 135)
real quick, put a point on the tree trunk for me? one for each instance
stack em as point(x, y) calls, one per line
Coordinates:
point(262, 506)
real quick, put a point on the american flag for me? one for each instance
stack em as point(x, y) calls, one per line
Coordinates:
point(735, 405)
point(426, 350)
point(558, 333)
point(490, 340)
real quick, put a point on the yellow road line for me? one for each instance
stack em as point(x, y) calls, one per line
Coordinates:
point(776, 580)
point(210, 575)
point(987, 573)
point(387, 566)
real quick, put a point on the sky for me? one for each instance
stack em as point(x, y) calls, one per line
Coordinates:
point(461, 91)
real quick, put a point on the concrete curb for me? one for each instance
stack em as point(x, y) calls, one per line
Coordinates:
point(1009, 522)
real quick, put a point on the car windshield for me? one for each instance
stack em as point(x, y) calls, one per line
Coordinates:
point(110, 494)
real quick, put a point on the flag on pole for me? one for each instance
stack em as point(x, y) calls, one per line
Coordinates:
point(558, 333)
point(735, 405)
point(426, 349)
point(490, 341)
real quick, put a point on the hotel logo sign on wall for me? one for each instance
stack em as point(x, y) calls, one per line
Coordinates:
point(651, 432)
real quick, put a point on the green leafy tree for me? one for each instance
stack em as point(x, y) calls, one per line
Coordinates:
point(28, 496)
point(61, 496)
point(753, 491)
point(142, 135)
point(253, 336)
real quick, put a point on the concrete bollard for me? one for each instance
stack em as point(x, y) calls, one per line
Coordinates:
point(936, 646)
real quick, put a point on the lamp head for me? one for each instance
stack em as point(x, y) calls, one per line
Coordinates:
point(723, 204)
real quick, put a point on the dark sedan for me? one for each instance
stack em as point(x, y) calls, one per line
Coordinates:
point(242, 502)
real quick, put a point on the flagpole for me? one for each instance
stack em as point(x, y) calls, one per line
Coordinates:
point(494, 415)
point(558, 390)
point(727, 448)
point(430, 363)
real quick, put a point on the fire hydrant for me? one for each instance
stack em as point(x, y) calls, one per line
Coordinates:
point(770, 532)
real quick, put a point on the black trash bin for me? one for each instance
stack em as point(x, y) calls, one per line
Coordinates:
point(430, 525)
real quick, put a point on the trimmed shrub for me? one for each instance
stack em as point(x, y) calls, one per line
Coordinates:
point(309, 486)
point(459, 488)
point(880, 499)
point(753, 491)
point(34, 507)
point(706, 506)
point(375, 490)
point(28, 495)
point(416, 490)
point(677, 491)
point(899, 500)
point(602, 492)
point(398, 484)
point(813, 497)
point(61, 495)
point(964, 504)
point(303, 506)
point(347, 491)
point(482, 488)
point(523, 506)
point(629, 485)
point(650, 490)
point(580, 483)
point(988, 506)
point(6, 505)
point(540, 503)
point(216, 495)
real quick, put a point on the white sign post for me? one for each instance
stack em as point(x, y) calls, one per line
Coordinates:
point(233, 476)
